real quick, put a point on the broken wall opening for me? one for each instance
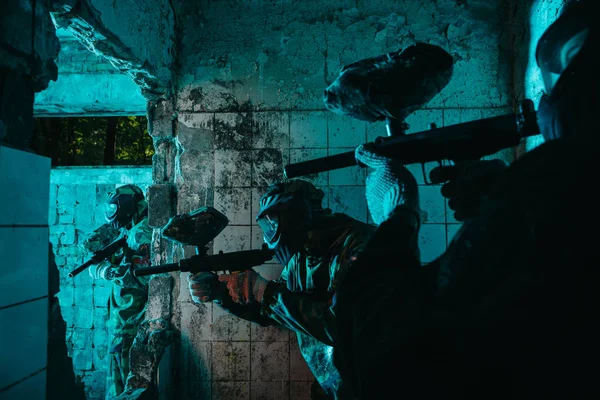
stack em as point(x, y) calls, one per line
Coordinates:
point(93, 140)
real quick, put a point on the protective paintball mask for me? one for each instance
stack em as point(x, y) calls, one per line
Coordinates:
point(120, 210)
point(566, 60)
point(285, 220)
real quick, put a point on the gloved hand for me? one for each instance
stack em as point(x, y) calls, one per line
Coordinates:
point(245, 287)
point(106, 270)
point(467, 184)
point(203, 287)
point(389, 187)
point(121, 275)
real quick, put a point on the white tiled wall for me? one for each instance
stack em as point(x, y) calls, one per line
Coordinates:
point(244, 360)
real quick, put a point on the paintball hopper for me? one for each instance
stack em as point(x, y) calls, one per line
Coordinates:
point(390, 86)
point(196, 228)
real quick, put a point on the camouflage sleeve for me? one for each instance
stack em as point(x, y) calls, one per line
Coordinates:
point(97, 240)
point(139, 240)
point(304, 312)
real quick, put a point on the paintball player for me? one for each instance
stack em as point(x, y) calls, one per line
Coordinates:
point(509, 310)
point(316, 248)
point(126, 213)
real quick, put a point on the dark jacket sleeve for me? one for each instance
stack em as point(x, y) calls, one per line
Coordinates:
point(306, 312)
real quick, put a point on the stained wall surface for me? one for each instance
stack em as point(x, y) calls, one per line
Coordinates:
point(249, 101)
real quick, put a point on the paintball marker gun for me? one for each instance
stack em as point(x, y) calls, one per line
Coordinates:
point(466, 141)
point(100, 255)
point(198, 228)
point(392, 86)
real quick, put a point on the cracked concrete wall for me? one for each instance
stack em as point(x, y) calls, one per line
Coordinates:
point(249, 78)
point(87, 84)
point(280, 55)
point(134, 36)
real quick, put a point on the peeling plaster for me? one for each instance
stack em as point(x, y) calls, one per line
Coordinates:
point(139, 48)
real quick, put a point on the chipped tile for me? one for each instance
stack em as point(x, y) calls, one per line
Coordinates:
point(197, 168)
point(231, 361)
point(222, 390)
point(272, 333)
point(233, 168)
point(270, 361)
point(194, 131)
point(233, 238)
point(196, 319)
point(227, 326)
point(270, 390)
point(233, 131)
point(272, 130)
point(267, 166)
point(234, 203)
point(308, 129)
point(345, 131)
point(196, 120)
point(300, 390)
point(191, 197)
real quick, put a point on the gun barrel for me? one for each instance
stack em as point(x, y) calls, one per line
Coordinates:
point(465, 141)
point(234, 261)
point(317, 165)
point(80, 269)
point(159, 269)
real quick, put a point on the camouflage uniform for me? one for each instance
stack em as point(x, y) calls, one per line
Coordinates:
point(127, 301)
point(303, 298)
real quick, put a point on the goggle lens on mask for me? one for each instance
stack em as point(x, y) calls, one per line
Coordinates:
point(110, 211)
point(269, 223)
point(553, 67)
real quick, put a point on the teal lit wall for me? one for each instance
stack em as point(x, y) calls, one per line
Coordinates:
point(88, 85)
point(542, 14)
point(77, 196)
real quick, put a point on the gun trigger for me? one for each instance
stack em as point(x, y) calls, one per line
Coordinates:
point(424, 174)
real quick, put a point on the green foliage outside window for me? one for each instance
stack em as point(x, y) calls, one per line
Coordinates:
point(94, 140)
